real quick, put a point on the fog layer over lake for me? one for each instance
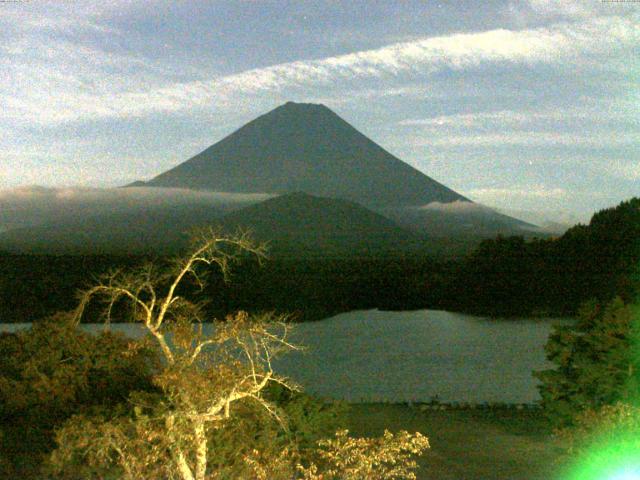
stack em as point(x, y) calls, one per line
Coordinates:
point(413, 356)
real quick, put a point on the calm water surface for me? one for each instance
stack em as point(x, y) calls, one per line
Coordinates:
point(413, 356)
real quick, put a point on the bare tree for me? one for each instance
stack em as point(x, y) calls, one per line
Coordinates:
point(204, 373)
point(205, 376)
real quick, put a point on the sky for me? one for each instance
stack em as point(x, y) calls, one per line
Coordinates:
point(527, 106)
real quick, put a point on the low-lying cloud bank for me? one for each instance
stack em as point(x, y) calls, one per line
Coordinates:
point(458, 206)
point(548, 221)
point(34, 205)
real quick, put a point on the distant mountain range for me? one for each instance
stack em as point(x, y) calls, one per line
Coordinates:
point(308, 148)
point(291, 224)
point(336, 192)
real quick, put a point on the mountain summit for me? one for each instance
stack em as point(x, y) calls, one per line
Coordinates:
point(302, 147)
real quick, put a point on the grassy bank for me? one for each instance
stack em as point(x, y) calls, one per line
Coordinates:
point(492, 444)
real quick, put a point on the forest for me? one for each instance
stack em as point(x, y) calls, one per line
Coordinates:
point(505, 276)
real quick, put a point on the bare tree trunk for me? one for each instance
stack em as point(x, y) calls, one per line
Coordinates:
point(201, 450)
point(181, 462)
point(163, 345)
point(183, 466)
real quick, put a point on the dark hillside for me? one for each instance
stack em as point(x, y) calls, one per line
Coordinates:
point(156, 231)
point(306, 225)
point(509, 275)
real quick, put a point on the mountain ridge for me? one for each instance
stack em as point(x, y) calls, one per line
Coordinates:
point(309, 148)
point(293, 224)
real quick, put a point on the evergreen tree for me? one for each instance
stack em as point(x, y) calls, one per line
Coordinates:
point(597, 361)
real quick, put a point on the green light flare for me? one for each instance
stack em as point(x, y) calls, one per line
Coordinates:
point(617, 461)
point(627, 475)
point(611, 450)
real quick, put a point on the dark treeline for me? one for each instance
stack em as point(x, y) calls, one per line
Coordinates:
point(510, 276)
point(312, 289)
point(504, 276)
point(34, 286)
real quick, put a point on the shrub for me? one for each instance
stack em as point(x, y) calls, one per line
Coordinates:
point(55, 370)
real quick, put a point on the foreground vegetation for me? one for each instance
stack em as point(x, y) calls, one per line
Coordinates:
point(592, 395)
point(177, 403)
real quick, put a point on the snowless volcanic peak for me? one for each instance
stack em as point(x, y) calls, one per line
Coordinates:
point(306, 148)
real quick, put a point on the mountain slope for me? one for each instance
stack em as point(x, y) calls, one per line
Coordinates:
point(295, 223)
point(310, 225)
point(157, 230)
point(459, 219)
point(308, 148)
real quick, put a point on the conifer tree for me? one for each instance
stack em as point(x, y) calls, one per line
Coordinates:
point(597, 361)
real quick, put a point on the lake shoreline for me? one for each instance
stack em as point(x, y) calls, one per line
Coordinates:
point(413, 357)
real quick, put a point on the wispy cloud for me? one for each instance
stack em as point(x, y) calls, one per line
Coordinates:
point(625, 170)
point(604, 111)
point(531, 138)
point(55, 97)
point(555, 8)
point(600, 111)
point(468, 119)
point(556, 220)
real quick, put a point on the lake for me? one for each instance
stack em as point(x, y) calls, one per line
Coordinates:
point(413, 356)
